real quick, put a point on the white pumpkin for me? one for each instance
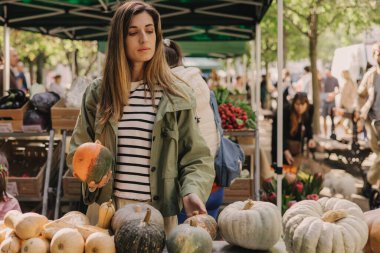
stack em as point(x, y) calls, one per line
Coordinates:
point(35, 245)
point(67, 240)
point(324, 226)
point(11, 244)
point(251, 224)
point(100, 242)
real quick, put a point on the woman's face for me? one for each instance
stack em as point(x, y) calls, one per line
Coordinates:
point(300, 107)
point(141, 38)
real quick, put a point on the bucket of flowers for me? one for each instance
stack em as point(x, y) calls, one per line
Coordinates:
point(295, 187)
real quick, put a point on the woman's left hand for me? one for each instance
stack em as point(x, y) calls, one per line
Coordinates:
point(191, 203)
point(312, 143)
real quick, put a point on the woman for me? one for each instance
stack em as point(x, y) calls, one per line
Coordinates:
point(297, 118)
point(349, 92)
point(205, 116)
point(146, 119)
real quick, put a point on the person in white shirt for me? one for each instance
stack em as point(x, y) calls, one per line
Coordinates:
point(57, 87)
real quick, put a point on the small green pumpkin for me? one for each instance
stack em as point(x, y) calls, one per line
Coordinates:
point(206, 222)
point(189, 238)
point(140, 236)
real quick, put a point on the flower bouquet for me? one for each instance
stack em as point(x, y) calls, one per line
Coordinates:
point(295, 187)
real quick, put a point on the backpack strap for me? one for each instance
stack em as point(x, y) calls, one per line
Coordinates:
point(214, 106)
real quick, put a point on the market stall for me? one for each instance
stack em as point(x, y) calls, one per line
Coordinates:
point(182, 21)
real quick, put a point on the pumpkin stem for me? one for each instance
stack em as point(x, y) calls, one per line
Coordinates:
point(248, 205)
point(147, 216)
point(195, 213)
point(334, 215)
point(193, 222)
point(109, 203)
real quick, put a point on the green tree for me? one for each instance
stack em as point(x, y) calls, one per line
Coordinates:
point(312, 17)
point(40, 52)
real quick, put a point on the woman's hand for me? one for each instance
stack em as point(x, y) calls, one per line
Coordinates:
point(191, 203)
point(93, 186)
point(311, 143)
point(288, 156)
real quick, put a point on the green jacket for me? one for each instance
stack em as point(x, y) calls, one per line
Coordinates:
point(181, 163)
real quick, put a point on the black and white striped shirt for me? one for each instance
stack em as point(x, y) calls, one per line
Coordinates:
point(134, 144)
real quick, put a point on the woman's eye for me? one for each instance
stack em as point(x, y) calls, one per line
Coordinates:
point(132, 33)
point(150, 32)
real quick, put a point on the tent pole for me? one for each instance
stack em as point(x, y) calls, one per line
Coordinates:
point(253, 77)
point(280, 58)
point(257, 141)
point(254, 103)
point(6, 73)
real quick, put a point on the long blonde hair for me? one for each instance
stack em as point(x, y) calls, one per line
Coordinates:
point(116, 82)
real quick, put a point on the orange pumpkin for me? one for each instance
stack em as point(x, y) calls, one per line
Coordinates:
point(91, 162)
point(373, 221)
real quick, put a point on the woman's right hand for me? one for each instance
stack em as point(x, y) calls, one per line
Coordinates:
point(288, 157)
point(93, 186)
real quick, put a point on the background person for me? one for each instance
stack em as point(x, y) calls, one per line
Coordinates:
point(57, 87)
point(12, 77)
point(204, 113)
point(7, 201)
point(297, 125)
point(369, 112)
point(330, 90)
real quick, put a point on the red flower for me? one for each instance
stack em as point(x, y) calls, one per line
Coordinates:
point(272, 197)
point(312, 197)
point(299, 187)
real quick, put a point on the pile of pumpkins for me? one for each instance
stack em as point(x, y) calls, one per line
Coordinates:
point(34, 233)
point(323, 226)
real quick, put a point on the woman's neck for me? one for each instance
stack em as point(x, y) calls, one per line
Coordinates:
point(137, 72)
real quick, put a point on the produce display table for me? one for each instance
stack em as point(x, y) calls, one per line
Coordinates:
point(242, 188)
point(48, 163)
point(240, 132)
point(224, 247)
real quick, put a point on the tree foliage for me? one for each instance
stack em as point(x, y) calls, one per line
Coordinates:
point(41, 52)
point(334, 23)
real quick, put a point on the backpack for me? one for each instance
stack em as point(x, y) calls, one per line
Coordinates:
point(229, 157)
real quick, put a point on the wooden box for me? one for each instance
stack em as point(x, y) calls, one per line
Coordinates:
point(240, 189)
point(14, 117)
point(63, 117)
point(27, 166)
point(72, 186)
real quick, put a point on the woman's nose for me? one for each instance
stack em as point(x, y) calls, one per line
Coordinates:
point(143, 37)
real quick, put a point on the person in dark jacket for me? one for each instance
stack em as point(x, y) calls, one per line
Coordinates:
point(297, 118)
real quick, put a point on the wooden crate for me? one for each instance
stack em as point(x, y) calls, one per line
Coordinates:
point(239, 190)
point(14, 117)
point(72, 186)
point(30, 154)
point(63, 117)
